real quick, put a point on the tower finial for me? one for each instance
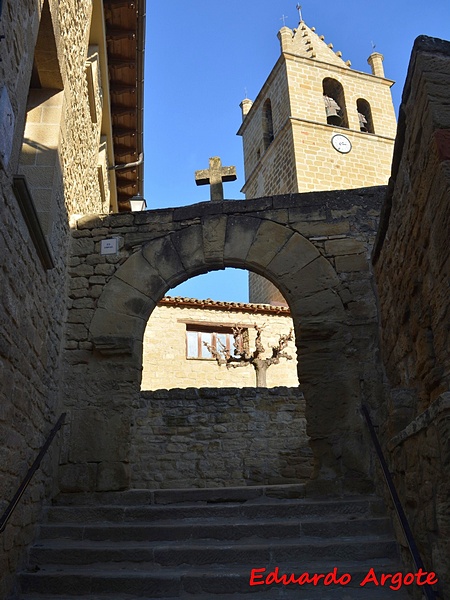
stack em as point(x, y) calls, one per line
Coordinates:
point(299, 8)
point(373, 45)
point(283, 18)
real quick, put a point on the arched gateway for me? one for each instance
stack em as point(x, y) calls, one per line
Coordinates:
point(313, 247)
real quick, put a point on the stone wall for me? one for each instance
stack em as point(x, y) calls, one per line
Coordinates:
point(411, 263)
point(412, 258)
point(216, 438)
point(262, 290)
point(315, 247)
point(33, 300)
point(165, 362)
point(420, 457)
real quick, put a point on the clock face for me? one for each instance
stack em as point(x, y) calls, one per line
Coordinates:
point(341, 143)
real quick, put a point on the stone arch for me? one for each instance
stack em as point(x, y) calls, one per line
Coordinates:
point(290, 261)
point(329, 371)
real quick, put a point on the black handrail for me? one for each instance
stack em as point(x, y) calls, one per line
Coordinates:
point(417, 559)
point(31, 471)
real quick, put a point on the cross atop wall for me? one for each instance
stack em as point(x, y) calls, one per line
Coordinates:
point(214, 176)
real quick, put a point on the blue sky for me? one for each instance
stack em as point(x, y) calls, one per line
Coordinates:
point(202, 58)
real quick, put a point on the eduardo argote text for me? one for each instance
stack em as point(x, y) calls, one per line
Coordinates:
point(393, 580)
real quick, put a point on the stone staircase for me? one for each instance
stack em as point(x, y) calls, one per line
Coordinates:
point(204, 544)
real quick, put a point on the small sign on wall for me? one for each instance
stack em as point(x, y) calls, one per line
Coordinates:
point(7, 122)
point(109, 246)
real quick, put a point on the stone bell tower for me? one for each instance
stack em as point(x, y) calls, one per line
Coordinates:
point(316, 125)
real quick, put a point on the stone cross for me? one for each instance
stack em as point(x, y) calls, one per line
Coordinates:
point(214, 176)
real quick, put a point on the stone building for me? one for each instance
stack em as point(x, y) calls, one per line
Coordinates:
point(316, 124)
point(75, 300)
point(174, 354)
point(69, 114)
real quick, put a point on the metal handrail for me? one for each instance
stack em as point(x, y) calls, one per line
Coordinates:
point(417, 559)
point(31, 471)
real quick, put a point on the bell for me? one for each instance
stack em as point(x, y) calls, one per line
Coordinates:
point(362, 122)
point(332, 110)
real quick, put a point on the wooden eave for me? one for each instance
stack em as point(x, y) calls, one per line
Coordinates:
point(125, 40)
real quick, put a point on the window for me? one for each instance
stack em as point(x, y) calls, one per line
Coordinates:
point(267, 124)
point(333, 96)
point(219, 338)
point(365, 116)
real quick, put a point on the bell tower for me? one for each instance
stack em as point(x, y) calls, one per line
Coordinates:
point(316, 125)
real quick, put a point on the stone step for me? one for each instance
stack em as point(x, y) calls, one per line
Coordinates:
point(173, 496)
point(185, 582)
point(272, 593)
point(203, 544)
point(70, 552)
point(255, 509)
point(219, 529)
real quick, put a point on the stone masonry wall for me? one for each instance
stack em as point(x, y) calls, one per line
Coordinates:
point(316, 247)
point(412, 257)
point(262, 290)
point(164, 354)
point(33, 302)
point(420, 459)
point(412, 268)
point(214, 438)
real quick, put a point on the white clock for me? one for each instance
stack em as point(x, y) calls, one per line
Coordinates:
point(341, 143)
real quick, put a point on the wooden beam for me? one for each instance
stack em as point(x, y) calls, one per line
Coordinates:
point(120, 34)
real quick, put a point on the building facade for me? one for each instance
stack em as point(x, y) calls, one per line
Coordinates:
point(175, 355)
point(59, 146)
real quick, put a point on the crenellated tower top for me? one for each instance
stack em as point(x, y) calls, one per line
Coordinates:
point(305, 42)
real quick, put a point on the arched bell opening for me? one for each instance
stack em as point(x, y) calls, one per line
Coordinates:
point(364, 116)
point(267, 124)
point(334, 100)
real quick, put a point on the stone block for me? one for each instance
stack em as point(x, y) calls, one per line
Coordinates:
point(163, 257)
point(344, 246)
point(137, 272)
point(81, 315)
point(314, 277)
point(268, 242)
point(240, 235)
point(351, 263)
point(76, 478)
point(111, 335)
point(97, 436)
point(188, 243)
point(81, 270)
point(112, 476)
point(321, 228)
point(214, 231)
point(124, 299)
point(82, 246)
point(325, 303)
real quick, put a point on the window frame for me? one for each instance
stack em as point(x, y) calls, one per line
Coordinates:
point(215, 331)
